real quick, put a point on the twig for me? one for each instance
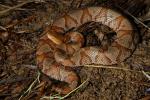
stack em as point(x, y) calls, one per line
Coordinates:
point(2, 13)
point(4, 6)
point(136, 19)
point(146, 75)
point(57, 96)
point(3, 28)
point(30, 66)
point(112, 67)
point(31, 85)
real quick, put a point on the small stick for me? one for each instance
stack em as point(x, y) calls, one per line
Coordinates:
point(111, 67)
point(14, 7)
point(3, 28)
point(63, 97)
point(136, 19)
point(10, 7)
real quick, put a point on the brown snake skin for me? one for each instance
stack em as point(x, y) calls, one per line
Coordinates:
point(55, 51)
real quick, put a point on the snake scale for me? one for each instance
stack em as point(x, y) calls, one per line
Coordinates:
point(59, 48)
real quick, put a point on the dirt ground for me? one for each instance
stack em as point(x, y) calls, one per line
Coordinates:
point(21, 27)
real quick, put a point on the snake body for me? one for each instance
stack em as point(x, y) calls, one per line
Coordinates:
point(52, 61)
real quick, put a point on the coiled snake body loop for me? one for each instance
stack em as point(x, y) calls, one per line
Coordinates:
point(52, 61)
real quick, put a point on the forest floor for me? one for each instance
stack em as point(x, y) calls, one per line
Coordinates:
point(22, 23)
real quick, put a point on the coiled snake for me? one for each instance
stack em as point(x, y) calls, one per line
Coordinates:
point(59, 48)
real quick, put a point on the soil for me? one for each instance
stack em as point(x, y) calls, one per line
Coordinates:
point(21, 28)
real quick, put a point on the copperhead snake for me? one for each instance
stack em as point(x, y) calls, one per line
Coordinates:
point(59, 48)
